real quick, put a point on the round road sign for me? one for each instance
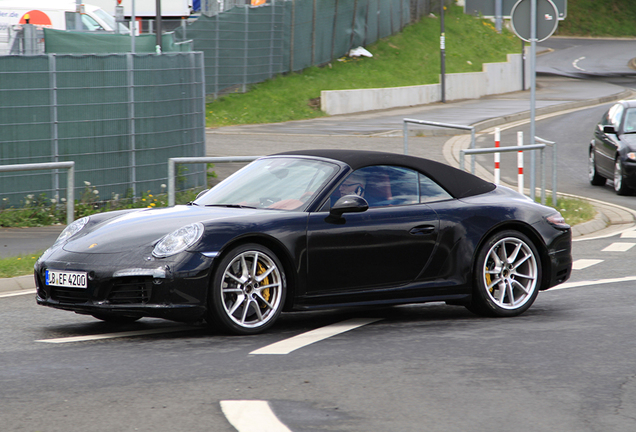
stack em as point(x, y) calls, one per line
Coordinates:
point(547, 19)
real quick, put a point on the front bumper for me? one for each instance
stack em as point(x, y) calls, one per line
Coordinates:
point(629, 173)
point(560, 258)
point(174, 289)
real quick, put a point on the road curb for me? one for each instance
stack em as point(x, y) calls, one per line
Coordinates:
point(16, 284)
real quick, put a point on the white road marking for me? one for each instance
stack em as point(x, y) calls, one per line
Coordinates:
point(575, 63)
point(593, 282)
point(302, 340)
point(252, 416)
point(619, 247)
point(17, 293)
point(115, 335)
point(581, 264)
point(629, 234)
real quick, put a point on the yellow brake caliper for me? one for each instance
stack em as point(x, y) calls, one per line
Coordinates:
point(265, 293)
point(489, 279)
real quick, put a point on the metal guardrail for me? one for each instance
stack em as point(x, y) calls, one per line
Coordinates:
point(487, 150)
point(70, 180)
point(406, 121)
point(172, 162)
point(554, 170)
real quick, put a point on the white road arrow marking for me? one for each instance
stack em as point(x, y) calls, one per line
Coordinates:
point(619, 247)
point(288, 345)
point(115, 335)
point(581, 264)
point(252, 416)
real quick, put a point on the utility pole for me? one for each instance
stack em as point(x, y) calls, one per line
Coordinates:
point(159, 29)
point(442, 46)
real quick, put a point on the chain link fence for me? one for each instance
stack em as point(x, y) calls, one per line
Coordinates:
point(245, 45)
point(120, 117)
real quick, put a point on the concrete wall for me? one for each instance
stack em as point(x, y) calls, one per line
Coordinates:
point(496, 78)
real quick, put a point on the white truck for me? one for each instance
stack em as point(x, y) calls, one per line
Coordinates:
point(55, 14)
point(146, 9)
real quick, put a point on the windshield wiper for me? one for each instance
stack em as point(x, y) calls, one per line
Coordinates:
point(231, 206)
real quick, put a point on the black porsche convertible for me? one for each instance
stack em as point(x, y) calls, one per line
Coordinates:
point(312, 229)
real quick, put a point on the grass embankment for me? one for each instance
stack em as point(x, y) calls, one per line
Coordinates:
point(411, 57)
point(600, 18)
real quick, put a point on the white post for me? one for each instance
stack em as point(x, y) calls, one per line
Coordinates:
point(497, 156)
point(520, 162)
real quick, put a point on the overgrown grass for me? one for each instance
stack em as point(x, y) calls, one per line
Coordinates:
point(575, 211)
point(41, 211)
point(411, 57)
point(18, 266)
point(609, 18)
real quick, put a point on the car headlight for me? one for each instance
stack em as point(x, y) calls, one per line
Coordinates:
point(178, 240)
point(71, 230)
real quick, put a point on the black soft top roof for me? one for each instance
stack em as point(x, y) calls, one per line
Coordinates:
point(459, 184)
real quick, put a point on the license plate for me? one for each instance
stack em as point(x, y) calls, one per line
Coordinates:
point(66, 279)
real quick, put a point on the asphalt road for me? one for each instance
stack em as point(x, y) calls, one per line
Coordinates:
point(418, 368)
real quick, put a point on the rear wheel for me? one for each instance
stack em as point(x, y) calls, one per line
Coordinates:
point(248, 290)
point(507, 276)
point(595, 178)
point(619, 184)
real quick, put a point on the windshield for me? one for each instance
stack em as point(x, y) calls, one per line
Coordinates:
point(281, 183)
point(110, 21)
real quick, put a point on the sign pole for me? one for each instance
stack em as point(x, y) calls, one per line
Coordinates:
point(442, 48)
point(533, 88)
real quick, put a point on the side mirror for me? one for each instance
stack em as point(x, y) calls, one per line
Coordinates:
point(349, 204)
point(609, 129)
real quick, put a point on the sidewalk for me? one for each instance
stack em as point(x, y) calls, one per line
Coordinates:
point(383, 130)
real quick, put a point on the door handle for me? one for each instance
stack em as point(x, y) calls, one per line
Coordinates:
point(422, 230)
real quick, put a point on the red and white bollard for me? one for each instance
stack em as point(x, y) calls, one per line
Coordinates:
point(497, 156)
point(520, 162)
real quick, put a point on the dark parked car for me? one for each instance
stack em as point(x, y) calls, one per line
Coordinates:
point(312, 229)
point(612, 152)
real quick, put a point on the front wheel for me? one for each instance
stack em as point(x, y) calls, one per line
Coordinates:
point(247, 291)
point(507, 276)
point(619, 184)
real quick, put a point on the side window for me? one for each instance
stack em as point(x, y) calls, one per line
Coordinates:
point(431, 191)
point(381, 186)
point(87, 22)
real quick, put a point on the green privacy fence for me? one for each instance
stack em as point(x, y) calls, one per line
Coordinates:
point(70, 42)
point(246, 45)
point(120, 117)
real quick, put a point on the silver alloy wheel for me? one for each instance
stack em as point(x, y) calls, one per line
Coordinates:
point(618, 176)
point(251, 289)
point(591, 167)
point(510, 273)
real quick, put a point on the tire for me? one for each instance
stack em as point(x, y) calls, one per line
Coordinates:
point(116, 319)
point(619, 184)
point(595, 178)
point(247, 291)
point(507, 276)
